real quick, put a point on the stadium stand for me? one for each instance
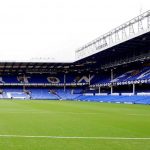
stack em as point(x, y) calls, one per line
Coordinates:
point(103, 72)
point(81, 93)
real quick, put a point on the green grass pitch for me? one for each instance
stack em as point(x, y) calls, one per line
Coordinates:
point(113, 124)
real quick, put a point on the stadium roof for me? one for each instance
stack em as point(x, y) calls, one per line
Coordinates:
point(133, 50)
point(31, 67)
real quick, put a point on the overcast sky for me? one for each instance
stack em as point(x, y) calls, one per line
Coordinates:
point(56, 28)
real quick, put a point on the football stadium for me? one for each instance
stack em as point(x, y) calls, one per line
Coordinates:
point(99, 101)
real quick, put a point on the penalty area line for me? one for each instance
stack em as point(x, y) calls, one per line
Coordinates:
point(75, 137)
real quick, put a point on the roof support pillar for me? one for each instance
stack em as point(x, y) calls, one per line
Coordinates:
point(64, 82)
point(133, 89)
point(99, 88)
point(111, 89)
point(112, 74)
point(89, 79)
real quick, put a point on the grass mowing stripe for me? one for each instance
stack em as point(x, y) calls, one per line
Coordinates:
point(76, 137)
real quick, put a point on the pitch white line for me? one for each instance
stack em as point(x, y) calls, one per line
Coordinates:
point(139, 114)
point(75, 137)
point(73, 113)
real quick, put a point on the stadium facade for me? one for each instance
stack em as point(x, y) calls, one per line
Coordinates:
point(115, 67)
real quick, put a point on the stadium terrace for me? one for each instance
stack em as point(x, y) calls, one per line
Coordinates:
point(115, 68)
